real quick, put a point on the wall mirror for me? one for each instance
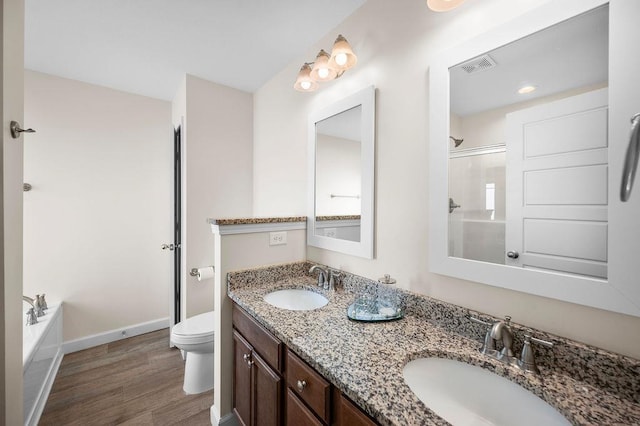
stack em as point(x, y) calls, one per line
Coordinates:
point(520, 137)
point(341, 175)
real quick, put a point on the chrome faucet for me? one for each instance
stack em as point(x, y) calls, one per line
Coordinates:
point(36, 304)
point(32, 317)
point(501, 331)
point(322, 276)
point(326, 277)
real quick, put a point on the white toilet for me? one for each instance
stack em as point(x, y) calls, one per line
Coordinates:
point(194, 336)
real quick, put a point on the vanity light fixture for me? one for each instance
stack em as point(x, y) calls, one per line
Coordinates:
point(443, 5)
point(526, 89)
point(326, 67)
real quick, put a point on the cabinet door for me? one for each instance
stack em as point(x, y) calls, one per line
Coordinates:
point(346, 413)
point(242, 379)
point(267, 388)
point(298, 414)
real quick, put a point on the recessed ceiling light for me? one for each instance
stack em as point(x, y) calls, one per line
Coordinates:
point(443, 5)
point(526, 89)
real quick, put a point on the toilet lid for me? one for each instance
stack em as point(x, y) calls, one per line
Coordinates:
point(195, 327)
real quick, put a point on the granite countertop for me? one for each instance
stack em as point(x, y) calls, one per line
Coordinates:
point(365, 360)
point(257, 220)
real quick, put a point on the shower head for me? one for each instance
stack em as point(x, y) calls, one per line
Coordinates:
point(457, 142)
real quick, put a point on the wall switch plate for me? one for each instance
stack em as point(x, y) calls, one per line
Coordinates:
point(277, 238)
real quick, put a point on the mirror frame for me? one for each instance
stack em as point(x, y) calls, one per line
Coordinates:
point(581, 290)
point(363, 248)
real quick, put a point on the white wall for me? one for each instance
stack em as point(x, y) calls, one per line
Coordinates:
point(234, 252)
point(217, 179)
point(338, 173)
point(395, 43)
point(101, 205)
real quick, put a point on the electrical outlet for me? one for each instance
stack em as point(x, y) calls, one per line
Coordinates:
point(277, 238)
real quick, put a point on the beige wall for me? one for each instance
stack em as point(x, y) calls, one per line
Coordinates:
point(217, 178)
point(395, 43)
point(101, 205)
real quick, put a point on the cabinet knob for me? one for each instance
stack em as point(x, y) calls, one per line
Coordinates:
point(247, 359)
point(301, 385)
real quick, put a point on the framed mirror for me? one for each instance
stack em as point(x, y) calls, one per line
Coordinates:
point(521, 138)
point(341, 157)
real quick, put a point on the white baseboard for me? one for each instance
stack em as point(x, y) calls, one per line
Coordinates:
point(228, 420)
point(114, 335)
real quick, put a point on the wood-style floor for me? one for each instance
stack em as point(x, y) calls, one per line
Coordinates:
point(134, 381)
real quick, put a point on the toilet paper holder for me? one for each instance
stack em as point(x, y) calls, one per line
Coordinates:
point(195, 272)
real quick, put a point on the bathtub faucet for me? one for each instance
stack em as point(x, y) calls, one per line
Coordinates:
point(31, 313)
point(36, 305)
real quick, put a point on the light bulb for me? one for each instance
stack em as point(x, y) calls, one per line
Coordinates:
point(306, 85)
point(323, 72)
point(341, 59)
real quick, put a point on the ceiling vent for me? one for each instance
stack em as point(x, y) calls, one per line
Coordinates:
point(481, 63)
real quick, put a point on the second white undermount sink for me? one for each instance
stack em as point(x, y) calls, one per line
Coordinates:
point(465, 394)
point(296, 299)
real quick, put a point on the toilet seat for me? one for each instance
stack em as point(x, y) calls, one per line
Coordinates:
point(194, 330)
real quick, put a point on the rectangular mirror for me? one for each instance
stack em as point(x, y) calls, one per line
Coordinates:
point(341, 175)
point(524, 123)
point(520, 135)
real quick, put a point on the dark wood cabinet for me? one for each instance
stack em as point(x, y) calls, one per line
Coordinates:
point(260, 395)
point(257, 387)
point(298, 414)
point(346, 413)
point(241, 379)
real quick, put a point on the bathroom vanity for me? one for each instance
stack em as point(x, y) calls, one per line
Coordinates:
point(273, 386)
point(319, 367)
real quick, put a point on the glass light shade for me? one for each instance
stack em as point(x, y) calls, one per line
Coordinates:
point(304, 82)
point(342, 56)
point(322, 70)
point(443, 5)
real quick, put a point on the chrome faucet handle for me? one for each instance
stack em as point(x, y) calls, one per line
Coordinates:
point(31, 317)
point(527, 361)
point(37, 304)
point(489, 345)
point(43, 302)
point(336, 276)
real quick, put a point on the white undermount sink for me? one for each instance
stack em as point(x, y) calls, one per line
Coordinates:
point(296, 299)
point(465, 394)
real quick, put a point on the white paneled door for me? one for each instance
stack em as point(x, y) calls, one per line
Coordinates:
point(558, 160)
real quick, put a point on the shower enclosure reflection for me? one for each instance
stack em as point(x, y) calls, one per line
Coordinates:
point(477, 226)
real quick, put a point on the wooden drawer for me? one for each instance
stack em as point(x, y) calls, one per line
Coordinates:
point(298, 414)
point(263, 342)
point(310, 386)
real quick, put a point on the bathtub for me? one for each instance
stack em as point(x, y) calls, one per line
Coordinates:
point(41, 357)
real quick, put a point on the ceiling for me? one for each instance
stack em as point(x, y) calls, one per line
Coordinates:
point(569, 55)
point(146, 46)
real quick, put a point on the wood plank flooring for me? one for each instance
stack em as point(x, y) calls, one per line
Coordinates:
point(134, 381)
